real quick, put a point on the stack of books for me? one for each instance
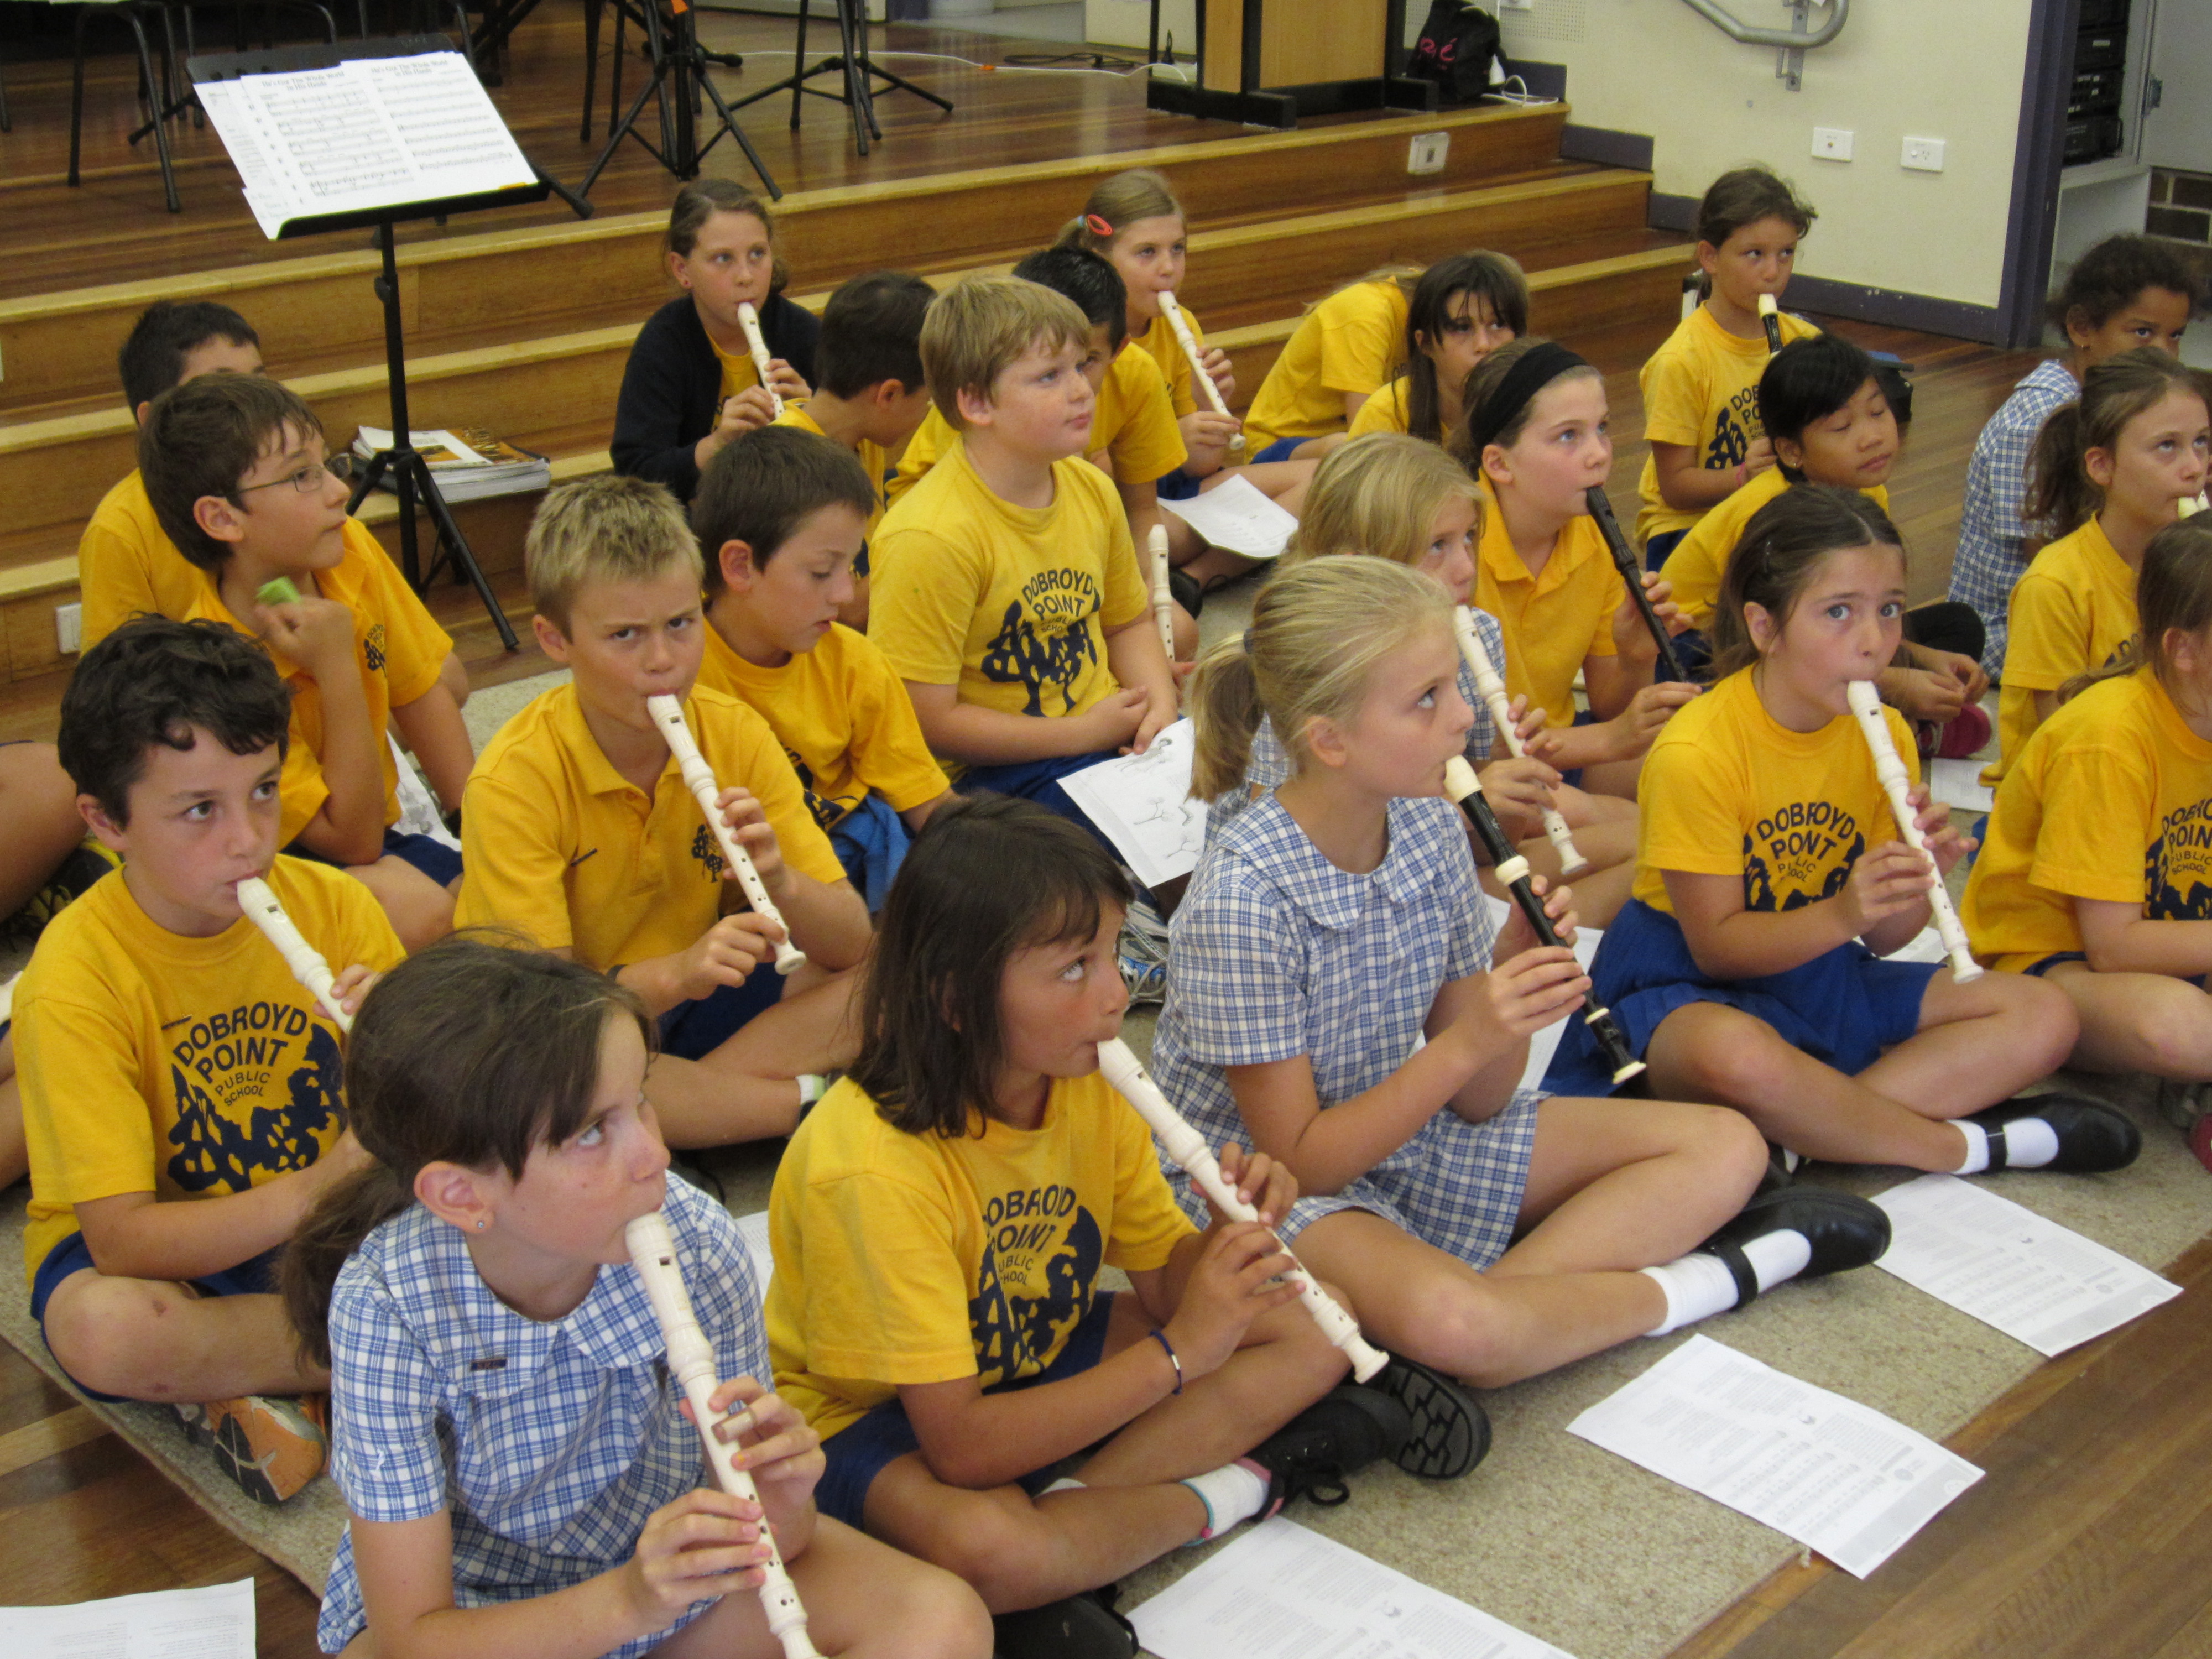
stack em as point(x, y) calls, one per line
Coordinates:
point(468, 466)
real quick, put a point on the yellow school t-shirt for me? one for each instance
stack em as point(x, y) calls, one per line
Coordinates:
point(923, 1258)
point(2071, 611)
point(737, 370)
point(1133, 435)
point(1554, 620)
point(557, 842)
point(184, 1067)
point(126, 564)
point(399, 650)
point(1727, 790)
point(2110, 800)
point(1389, 409)
point(1159, 341)
point(1010, 605)
point(874, 461)
point(843, 718)
point(1701, 390)
point(1700, 559)
point(1349, 343)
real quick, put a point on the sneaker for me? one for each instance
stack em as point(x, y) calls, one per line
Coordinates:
point(1340, 1434)
point(2181, 1102)
point(1448, 1433)
point(1082, 1626)
point(272, 1445)
point(1845, 1232)
point(2093, 1137)
point(1142, 953)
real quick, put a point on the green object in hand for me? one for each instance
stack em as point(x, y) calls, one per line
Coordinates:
point(278, 590)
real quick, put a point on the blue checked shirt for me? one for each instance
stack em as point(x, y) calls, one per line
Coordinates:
point(1988, 562)
point(547, 1445)
point(1271, 763)
point(1276, 952)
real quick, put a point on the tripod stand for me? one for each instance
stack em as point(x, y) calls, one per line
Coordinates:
point(853, 63)
point(679, 76)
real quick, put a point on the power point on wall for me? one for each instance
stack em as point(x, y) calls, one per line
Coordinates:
point(1516, 5)
point(1426, 152)
point(69, 627)
point(1924, 155)
point(1833, 143)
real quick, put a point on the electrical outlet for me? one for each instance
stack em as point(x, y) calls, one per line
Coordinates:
point(1516, 5)
point(69, 627)
point(1833, 143)
point(1924, 155)
point(1426, 153)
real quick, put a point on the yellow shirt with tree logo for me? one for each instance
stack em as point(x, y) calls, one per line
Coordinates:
point(188, 1068)
point(2071, 611)
point(1009, 604)
point(1727, 790)
point(2110, 800)
point(923, 1258)
point(557, 842)
point(1701, 390)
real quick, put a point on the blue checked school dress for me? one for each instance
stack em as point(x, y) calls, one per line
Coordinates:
point(1275, 952)
point(1987, 563)
point(547, 1445)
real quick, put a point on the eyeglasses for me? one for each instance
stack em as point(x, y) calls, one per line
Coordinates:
point(308, 480)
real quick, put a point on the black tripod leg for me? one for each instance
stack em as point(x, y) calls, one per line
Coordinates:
point(457, 552)
point(368, 480)
point(592, 10)
point(730, 126)
point(623, 128)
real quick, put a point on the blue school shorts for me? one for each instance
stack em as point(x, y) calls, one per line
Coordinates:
point(1177, 486)
point(1280, 450)
point(870, 841)
point(693, 1029)
point(1038, 781)
point(858, 1453)
point(441, 863)
point(1656, 549)
point(72, 1254)
point(2038, 970)
point(1843, 1008)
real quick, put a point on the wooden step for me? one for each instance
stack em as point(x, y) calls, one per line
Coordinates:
point(54, 471)
point(562, 277)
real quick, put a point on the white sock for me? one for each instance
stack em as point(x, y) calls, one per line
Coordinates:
point(1977, 1148)
point(1776, 1257)
point(2030, 1142)
point(1697, 1286)
point(1064, 1484)
point(1233, 1492)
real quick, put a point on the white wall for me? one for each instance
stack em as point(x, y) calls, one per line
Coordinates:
point(1952, 71)
point(1127, 23)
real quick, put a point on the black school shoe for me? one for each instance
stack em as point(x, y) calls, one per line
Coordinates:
point(1186, 592)
point(2093, 1137)
point(1845, 1232)
point(1340, 1434)
point(1082, 1626)
point(1448, 1433)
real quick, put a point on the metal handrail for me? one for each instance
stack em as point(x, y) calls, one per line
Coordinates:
point(1736, 29)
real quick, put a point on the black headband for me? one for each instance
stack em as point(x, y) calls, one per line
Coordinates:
point(1533, 370)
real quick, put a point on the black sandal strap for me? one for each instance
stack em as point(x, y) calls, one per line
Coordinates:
point(1740, 1268)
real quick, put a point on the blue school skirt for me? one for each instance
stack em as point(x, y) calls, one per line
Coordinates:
point(1843, 1008)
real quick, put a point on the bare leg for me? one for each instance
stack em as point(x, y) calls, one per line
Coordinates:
point(746, 1090)
point(14, 1154)
point(864, 1601)
point(420, 910)
point(2138, 1022)
point(148, 1339)
point(38, 809)
point(1977, 1044)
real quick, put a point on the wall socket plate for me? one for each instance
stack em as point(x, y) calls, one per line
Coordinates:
point(1924, 155)
point(1833, 143)
point(1516, 5)
point(69, 627)
point(1427, 151)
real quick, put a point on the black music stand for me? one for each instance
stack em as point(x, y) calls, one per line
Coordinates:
point(679, 76)
point(410, 473)
point(854, 64)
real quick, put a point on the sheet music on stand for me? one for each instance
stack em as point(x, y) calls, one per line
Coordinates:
point(366, 134)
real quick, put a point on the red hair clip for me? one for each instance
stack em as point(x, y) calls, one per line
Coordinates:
point(1096, 225)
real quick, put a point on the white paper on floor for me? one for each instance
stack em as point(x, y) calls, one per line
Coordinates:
point(1826, 1471)
point(1281, 1589)
point(1959, 783)
point(1142, 804)
point(1238, 516)
point(2036, 1281)
point(214, 1622)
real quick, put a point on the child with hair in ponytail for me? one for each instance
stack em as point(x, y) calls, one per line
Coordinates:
point(1339, 999)
point(2108, 472)
point(2097, 874)
point(521, 1473)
